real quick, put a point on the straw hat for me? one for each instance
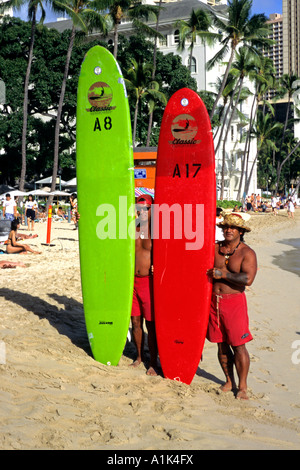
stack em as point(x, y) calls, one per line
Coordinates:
point(235, 219)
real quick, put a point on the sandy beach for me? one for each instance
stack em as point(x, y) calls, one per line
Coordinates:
point(53, 395)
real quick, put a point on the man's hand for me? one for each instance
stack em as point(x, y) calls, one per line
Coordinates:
point(215, 273)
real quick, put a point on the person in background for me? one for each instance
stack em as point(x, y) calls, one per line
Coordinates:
point(30, 212)
point(13, 246)
point(75, 214)
point(219, 232)
point(9, 208)
point(274, 202)
point(291, 208)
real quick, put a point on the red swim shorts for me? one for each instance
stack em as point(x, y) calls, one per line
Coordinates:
point(228, 319)
point(142, 303)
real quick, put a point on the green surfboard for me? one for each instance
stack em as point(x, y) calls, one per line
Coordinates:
point(105, 187)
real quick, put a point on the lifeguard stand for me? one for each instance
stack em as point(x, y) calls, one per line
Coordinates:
point(144, 166)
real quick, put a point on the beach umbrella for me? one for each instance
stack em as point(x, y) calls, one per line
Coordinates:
point(72, 182)
point(39, 192)
point(5, 188)
point(140, 191)
point(60, 193)
point(14, 193)
point(49, 181)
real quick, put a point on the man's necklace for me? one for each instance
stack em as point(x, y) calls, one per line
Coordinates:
point(227, 255)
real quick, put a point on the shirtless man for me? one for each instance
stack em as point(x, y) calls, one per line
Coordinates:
point(235, 268)
point(142, 305)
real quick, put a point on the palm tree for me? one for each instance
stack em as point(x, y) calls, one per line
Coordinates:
point(241, 68)
point(288, 85)
point(134, 10)
point(154, 69)
point(264, 131)
point(84, 15)
point(292, 145)
point(142, 87)
point(239, 29)
point(264, 78)
point(198, 25)
point(33, 6)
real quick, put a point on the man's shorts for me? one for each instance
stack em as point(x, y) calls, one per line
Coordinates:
point(142, 303)
point(228, 319)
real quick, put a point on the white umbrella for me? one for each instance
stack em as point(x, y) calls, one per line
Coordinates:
point(49, 181)
point(72, 182)
point(15, 193)
point(39, 192)
point(60, 193)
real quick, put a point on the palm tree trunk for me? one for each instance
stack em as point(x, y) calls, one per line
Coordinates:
point(153, 74)
point(149, 128)
point(247, 184)
point(222, 129)
point(59, 111)
point(116, 36)
point(247, 148)
point(118, 14)
point(25, 103)
point(135, 121)
point(279, 169)
point(223, 83)
point(285, 124)
point(225, 117)
point(227, 131)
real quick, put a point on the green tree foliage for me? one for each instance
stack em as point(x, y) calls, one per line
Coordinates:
point(171, 75)
point(44, 90)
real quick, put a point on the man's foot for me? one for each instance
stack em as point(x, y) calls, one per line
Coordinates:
point(242, 395)
point(151, 371)
point(136, 363)
point(228, 387)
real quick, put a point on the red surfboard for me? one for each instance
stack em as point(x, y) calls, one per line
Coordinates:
point(183, 234)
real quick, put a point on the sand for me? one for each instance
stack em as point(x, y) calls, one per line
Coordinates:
point(53, 395)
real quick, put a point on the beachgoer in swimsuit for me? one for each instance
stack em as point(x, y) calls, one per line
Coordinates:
point(31, 208)
point(235, 268)
point(12, 245)
point(142, 305)
point(75, 213)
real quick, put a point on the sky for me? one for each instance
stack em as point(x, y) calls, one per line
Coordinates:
point(258, 6)
point(267, 6)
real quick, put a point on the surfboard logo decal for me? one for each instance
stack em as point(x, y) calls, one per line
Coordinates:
point(100, 96)
point(184, 129)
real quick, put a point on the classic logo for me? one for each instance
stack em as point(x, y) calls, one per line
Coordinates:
point(100, 96)
point(184, 128)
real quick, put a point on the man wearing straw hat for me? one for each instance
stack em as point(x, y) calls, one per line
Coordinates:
point(235, 267)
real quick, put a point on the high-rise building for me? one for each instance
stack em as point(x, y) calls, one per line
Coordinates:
point(291, 36)
point(275, 52)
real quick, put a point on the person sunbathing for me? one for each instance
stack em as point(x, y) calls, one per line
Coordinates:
point(11, 264)
point(13, 246)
